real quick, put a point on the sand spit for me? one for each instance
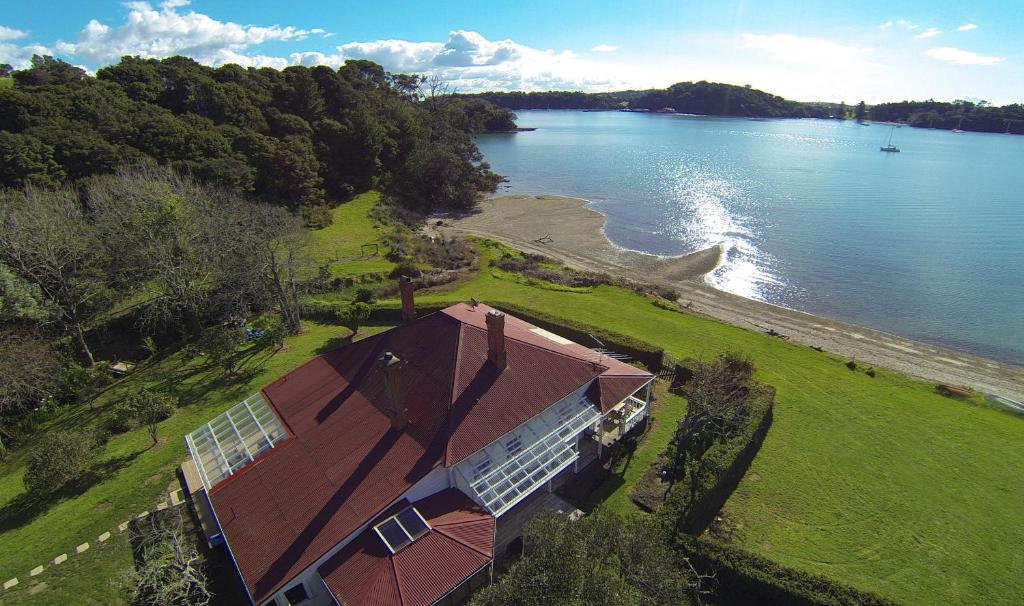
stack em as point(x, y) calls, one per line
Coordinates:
point(575, 236)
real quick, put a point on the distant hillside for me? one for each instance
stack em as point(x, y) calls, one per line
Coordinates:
point(709, 98)
point(965, 115)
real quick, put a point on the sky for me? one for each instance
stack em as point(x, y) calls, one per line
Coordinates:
point(872, 50)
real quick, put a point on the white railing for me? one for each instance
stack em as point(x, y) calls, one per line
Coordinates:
point(636, 416)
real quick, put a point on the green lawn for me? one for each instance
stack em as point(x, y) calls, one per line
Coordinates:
point(137, 474)
point(341, 244)
point(879, 483)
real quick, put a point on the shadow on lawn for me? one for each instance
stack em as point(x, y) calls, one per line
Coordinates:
point(27, 506)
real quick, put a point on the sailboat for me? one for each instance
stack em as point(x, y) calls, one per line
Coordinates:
point(958, 125)
point(889, 147)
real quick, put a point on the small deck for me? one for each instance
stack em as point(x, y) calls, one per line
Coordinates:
point(620, 422)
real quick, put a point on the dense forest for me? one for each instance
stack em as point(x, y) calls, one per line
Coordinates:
point(167, 201)
point(964, 115)
point(300, 137)
point(708, 98)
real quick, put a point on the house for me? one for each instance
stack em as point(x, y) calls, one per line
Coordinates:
point(380, 473)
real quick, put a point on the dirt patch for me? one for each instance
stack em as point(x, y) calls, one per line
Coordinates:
point(102, 507)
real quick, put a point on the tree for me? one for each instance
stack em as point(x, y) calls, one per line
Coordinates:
point(45, 69)
point(149, 408)
point(29, 372)
point(860, 112)
point(598, 559)
point(5, 70)
point(25, 160)
point(354, 316)
point(717, 406)
point(22, 301)
point(168, 570)
point(45, 237)
point(219, 344)
point(59, 458)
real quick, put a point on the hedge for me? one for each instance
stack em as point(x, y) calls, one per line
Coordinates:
point(724, 463)
point(651, 356)
point(746, 578)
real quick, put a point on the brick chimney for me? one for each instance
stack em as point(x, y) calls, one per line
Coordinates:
point(496, 338)
point(408, 301)
point(393, 386)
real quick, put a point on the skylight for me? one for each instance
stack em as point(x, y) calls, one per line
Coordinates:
point(402, 529)
point(234, 438)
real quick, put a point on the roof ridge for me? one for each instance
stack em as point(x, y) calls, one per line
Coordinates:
point(456, 358)
point(579, 358)
point(450, 537)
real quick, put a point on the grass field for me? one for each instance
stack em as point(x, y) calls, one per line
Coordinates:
point(340, 244)
point(137, 474)
point(879, 483)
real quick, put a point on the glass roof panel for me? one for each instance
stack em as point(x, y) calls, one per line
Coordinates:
point(500, 476)
point(234, 438)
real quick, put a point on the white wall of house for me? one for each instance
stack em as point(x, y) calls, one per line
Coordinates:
point(490, 456)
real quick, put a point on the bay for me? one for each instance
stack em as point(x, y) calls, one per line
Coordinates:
point(926, 243)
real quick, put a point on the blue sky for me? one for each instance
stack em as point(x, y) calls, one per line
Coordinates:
point(833, 51)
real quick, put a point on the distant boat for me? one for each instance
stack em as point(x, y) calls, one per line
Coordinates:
point(889, 147)
point(958, 125)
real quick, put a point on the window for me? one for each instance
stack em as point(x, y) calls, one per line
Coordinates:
point(412, 522)
point(482, 467)
point(402, 528)
point(297, 594)
point(513, 446)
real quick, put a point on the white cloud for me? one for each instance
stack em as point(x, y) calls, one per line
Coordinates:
point(961, 57)
point(605, 48)
point(159, 33)
point(9, 33)
point(799, 49)
point(966, 27)
point(906, 24)
point(931, 32)
point(15, 54)
point(472, 62)
point(885, 25)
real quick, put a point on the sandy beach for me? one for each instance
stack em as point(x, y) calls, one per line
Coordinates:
point(565, 229)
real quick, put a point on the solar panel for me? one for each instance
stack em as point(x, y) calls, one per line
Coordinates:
point(234, 438)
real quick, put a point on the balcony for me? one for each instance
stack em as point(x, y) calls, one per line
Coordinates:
point(621, 420)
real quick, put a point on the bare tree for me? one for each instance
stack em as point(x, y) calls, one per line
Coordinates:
point(168, 570)
point(45, 237)
point(29, 369)
point(437, 92)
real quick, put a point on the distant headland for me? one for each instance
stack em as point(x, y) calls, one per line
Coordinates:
point(717, 99)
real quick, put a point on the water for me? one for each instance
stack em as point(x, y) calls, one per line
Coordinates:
point(926, 243)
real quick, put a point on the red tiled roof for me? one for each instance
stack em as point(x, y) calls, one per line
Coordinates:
point(460, 542)
point(345, 463)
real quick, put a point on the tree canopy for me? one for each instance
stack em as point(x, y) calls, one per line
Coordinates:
point(293, 137)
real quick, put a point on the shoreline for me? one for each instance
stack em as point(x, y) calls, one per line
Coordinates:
point(577, 239)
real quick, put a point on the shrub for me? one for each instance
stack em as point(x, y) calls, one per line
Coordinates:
point(405, 268)
point(60, 458)
point(219, 344)
point(149, 408)
point(852, 365)
point(728, 415)
point(745, 578)
point(364, 295)
point(317, 217)
point(121, 418)
point(273, 331)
